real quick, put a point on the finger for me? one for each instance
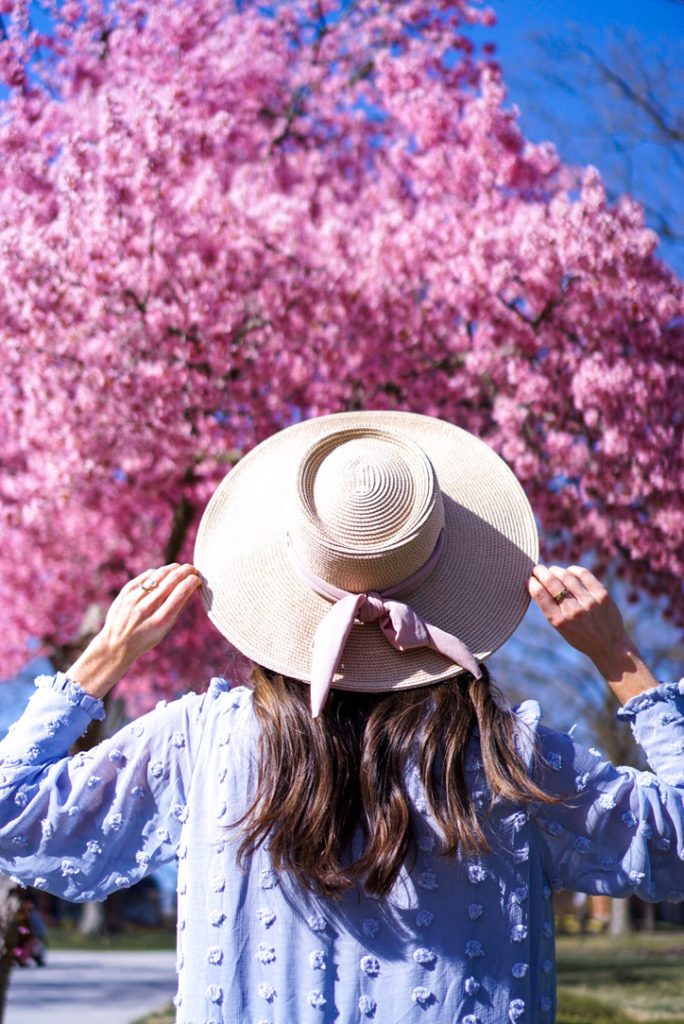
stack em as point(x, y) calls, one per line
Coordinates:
point(154, 573)
point(552, 582)
point(168, 580)
point(541, 596)
point(589, 581)
point(180, 595)
point(569, 581)
point(147, 582)
point(166, 614)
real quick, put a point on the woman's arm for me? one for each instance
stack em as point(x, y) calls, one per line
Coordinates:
point(85, 825)
point(616, 830)
point(589, 620)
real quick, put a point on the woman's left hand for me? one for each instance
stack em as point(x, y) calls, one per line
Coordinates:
point(579, 607)
point(138, 618)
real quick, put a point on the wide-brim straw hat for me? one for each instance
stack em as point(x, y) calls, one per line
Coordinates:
point(360, 500)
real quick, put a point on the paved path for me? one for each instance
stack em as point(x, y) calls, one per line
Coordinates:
point(85, 987)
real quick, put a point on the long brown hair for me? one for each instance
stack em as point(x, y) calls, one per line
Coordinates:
point(321, 780)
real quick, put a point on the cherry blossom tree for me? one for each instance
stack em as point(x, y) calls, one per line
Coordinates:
point(219, 219)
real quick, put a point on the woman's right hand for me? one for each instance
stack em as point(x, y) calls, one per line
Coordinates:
point(580, 608)
point(139, 617)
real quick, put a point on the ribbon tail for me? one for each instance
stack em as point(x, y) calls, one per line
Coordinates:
point(453, 648)
point(328, 644)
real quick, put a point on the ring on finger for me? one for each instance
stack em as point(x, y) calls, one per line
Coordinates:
point(561, 595)
point(148, 584)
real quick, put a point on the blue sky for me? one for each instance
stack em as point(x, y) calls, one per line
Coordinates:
point(572, 115)
point(652, 17)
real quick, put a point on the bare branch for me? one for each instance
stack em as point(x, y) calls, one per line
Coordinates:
point(613, 102)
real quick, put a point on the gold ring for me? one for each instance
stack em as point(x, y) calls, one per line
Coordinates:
point(559, 596)
point(149, 584)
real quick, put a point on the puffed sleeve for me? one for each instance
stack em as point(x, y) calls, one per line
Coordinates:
point(85, 825)
point(617, 830)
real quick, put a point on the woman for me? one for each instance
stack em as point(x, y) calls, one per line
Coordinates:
point(368, 833)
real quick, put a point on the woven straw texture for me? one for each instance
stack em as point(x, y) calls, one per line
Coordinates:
point(332, 496)
point(366, 511)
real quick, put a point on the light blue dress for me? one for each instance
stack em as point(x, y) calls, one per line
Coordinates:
point(467, 940)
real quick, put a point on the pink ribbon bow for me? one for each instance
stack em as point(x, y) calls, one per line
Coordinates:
point(400, 624)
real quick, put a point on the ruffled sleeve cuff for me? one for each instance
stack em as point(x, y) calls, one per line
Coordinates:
point(73, 693)
point(656, 718)
point(665, 693)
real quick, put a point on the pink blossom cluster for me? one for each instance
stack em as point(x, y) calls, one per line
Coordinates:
point(213, 224)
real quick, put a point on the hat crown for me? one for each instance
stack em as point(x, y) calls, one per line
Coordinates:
point(367, 509)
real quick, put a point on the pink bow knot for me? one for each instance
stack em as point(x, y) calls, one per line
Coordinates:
point(401, 626)
point(371, 609)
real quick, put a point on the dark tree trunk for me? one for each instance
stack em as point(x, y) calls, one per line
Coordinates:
point(10, 904)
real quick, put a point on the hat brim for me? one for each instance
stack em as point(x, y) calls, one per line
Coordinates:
point(255, 597)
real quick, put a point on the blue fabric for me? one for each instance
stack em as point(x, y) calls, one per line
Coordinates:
point(468, 940)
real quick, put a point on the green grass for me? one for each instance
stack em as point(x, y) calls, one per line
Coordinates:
point(139, 939)
point(166, 1016)
point(641, 976)
point(574, 1009)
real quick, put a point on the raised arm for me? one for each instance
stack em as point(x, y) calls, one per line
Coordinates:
point(616, 830)
point(85, 825)
point(580, 608)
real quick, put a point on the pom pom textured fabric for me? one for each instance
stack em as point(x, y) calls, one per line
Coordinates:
point(363, 501)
